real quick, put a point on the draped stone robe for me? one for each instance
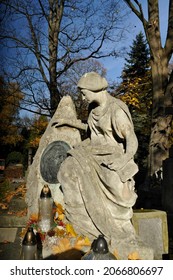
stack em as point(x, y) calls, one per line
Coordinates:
point(97, 176)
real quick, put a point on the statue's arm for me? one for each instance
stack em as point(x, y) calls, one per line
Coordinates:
point(72, 123)
point(124, 127)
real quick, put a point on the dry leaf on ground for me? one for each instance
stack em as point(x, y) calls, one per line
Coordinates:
point(81, 242)
point(70, 230)
point(62, 246)
point(3, 206)
point(134, 256)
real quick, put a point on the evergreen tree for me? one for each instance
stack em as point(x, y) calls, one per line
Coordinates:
point(136, 91)
point(138, 58)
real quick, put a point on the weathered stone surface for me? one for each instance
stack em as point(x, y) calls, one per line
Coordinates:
point(92, 81)
point(12, 221)
point(7, 234)
point(71, 136)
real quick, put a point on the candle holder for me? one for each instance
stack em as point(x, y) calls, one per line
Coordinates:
point(29, 246)
point(45, 218)
point(99, 250)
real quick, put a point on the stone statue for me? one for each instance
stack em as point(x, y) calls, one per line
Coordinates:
point(97, 175)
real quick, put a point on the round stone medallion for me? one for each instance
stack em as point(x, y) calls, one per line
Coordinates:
point(51, 159)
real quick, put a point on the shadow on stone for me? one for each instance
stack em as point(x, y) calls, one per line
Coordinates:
point(72, 254)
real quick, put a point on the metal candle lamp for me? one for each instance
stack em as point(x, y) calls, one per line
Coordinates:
point(99, 250)
point(45, 220)
point(29, 246)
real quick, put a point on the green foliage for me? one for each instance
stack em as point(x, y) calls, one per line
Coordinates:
point(136, 91)
point(14, 158)
point(138, 58)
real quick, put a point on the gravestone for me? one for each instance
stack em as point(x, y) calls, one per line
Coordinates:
point(151, 226)
point(52, 150)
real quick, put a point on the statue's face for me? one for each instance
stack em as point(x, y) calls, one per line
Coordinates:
point(89, 96)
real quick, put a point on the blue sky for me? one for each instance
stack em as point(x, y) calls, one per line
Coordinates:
point(114, 66)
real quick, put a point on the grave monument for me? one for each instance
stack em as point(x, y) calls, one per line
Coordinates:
point(95, 175)
point(52, 150)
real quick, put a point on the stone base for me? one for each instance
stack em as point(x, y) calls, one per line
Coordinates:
point(151, 227)
point(123, 250)
point(132, 250)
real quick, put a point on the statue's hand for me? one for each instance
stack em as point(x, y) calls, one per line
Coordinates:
point(72, 123)
point(60, 122)
point(113, 162)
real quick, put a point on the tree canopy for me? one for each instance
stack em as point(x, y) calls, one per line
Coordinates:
point(10, 99)
point(43, 39)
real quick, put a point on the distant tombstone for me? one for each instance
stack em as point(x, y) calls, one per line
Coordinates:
point(167, 185)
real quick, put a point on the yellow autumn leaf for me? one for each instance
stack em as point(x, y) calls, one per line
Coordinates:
point(3, 206)
point(70, 230)
point(62, 246)
point(59, 208)
point(33, 218)
point(9, 197)
point(134, 256)
point(81, 242)
point(60, 217)
point(59, 232)
point(115, 253)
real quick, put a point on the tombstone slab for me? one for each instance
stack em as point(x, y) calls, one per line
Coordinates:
point(151, 227)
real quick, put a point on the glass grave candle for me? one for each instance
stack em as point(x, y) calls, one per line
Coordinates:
point(45, 219)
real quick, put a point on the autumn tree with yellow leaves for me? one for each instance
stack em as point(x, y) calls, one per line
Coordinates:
point(37, 128)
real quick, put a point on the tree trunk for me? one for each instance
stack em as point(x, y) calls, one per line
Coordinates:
point(162, 83)
point(161, 123)
point(55, 16)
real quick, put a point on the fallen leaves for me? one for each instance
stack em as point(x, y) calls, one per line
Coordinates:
point(62, 246)
point(20, 213)
point(58, 213)
point(63, 235)
point(33, 219)
point(70, 230)
point(67, 243)
point(6, 241)
point(82, 242)
point(19, 191)
point(63, 241)
point(3, 206)
point(115, 253)
point(134, 256)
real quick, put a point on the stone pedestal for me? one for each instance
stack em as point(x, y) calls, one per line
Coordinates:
point(151, 227)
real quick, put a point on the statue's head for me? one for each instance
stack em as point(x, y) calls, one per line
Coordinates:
point(93, 82)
